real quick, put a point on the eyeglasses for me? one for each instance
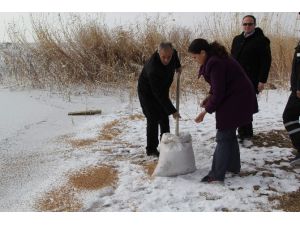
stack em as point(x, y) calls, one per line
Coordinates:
point(248, 24)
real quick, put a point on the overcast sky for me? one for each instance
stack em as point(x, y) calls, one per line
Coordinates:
point(125, 12)
point(111, 19)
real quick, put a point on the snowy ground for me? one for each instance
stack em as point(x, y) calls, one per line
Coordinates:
point(37, 156)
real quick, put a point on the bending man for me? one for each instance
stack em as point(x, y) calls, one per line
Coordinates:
point(153, 91)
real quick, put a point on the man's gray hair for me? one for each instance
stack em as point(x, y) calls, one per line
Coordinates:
point(165, 45)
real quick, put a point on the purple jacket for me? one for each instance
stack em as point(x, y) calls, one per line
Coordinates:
point(232, 93)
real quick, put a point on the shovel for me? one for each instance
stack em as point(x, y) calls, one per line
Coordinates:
point(176, 151)
point(177, 103)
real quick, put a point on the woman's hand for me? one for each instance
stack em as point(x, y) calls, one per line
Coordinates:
point(298, 94)
point(200, 117)
point(260, 87)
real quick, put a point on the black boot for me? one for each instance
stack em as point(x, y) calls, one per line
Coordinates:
point(152, 152)
point(296, 160)
point(245, 132)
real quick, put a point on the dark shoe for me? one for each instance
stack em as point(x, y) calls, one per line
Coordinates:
point(245, 137)
point(152, 153)
point(295, 152)
point(234, 172)
point(211, 180)
point(295, 161)
point(246, 143)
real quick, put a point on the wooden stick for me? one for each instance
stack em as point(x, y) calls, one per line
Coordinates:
point(177, 103)
point(86, 113)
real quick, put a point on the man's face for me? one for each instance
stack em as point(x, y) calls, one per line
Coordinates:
point(248, 25)
point(165, 55)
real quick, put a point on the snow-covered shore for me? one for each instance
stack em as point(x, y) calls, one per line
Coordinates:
point(37, 152)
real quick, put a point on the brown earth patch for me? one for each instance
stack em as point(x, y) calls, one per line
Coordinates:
point(108, 150)
point(247, 173)
point(277, 162)
point(110, 130)
point(82, 142)
point(149, 167)
point(282, 167)
point(136, 117)
point(114, 128)
point(59, 200)
point(288, 202)
point(94, 178)
point(287, 168)
point(267, 174)
point(130, 145)
point(278, 138)
point(63, 199)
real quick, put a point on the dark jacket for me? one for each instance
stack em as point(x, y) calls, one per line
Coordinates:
point(254, 55)
point(295, 76)
point(154, 84)
point(232, 94)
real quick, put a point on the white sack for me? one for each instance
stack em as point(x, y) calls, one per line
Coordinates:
point(176, 155)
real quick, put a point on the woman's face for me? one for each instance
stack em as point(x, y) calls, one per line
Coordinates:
point(199, 58)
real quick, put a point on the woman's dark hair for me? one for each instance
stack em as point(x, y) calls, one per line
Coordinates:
point(212, 49)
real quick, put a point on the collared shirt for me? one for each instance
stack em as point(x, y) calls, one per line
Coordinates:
point(249, 34)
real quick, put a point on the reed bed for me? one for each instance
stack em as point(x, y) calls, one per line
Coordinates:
point(89, 54)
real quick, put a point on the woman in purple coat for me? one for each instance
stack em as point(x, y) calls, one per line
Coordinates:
point(231, 97)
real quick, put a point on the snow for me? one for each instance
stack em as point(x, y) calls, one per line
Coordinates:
point(36, 155)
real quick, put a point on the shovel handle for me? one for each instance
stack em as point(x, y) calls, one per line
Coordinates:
point(177, 103)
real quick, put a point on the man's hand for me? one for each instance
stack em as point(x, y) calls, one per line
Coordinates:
point(204, 102)
point(200, 117)
point(179, 70)
point(260, 87)
point(176, 115)
point(298, 94)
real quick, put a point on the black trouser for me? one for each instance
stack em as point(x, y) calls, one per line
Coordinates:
point(152, 130)
point(291, 119)
point(245, 131)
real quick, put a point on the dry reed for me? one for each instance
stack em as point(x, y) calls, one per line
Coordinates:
point(90, 54)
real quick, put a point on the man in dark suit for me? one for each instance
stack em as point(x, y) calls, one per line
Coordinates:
point(291, 112)
point(153, 91)
point(252, 50)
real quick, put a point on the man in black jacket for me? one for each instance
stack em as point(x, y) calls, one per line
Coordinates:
point(153, 91)
point(252, 50)
point(291, 112)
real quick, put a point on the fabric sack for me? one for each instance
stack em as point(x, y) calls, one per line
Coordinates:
point(176, 155)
